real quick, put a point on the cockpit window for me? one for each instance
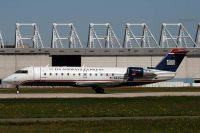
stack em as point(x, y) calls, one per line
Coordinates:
point(21, 71)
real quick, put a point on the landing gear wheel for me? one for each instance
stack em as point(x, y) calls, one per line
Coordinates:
point(99, 90)
point(17, 89)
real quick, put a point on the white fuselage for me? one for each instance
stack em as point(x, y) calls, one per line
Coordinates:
point(84, 76)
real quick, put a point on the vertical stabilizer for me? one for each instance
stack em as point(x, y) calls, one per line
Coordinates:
point(172, 60)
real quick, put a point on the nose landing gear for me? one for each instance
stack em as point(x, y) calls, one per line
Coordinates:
point(17, 87)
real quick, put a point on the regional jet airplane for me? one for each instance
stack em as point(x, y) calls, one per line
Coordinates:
point(98, 77)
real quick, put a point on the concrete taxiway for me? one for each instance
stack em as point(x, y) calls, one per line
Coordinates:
point(113, 95)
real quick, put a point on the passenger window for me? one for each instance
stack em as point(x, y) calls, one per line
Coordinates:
point(45, 74)
point(62, 74)
point(67, 74)
point(79, 74)
point(95, 74)
point(106, 74)
point(101, 74)
point(112, 74)
point(49, 73)
point(56, 74)
point(90, 74)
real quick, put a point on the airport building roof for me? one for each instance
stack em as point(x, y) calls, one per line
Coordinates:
point(96, 51)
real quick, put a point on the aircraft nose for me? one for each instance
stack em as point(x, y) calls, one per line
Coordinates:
point(6, 80)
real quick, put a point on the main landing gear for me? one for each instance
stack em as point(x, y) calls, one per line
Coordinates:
point(98, 90)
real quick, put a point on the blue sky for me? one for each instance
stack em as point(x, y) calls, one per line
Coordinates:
point(81, 13)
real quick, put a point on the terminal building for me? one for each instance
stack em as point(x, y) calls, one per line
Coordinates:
point(139, 48)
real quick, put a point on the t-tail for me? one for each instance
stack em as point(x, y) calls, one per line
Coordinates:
point(172, 60)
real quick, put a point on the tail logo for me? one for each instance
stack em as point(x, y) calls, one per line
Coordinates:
point(171, 62)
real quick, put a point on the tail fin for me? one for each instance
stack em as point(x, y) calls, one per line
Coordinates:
point(172, 60)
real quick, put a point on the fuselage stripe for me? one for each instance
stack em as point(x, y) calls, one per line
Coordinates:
point(90, 81)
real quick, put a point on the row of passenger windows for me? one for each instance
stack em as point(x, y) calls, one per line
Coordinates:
point(79, 74)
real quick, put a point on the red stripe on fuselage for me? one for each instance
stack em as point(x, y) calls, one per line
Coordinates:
point(88, 81)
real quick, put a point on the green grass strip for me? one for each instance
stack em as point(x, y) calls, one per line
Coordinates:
point(121, 126)
point(97, 107)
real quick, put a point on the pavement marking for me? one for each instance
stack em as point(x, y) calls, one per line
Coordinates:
point(113, 95)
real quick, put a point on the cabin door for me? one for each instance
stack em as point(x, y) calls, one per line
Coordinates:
point(36, 73)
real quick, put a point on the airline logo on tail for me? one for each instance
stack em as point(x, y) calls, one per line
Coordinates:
point(171, 62)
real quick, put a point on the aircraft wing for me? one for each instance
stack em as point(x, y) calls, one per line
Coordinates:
point(98, 83)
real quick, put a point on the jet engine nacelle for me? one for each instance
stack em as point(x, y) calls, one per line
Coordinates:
point(135, 72)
